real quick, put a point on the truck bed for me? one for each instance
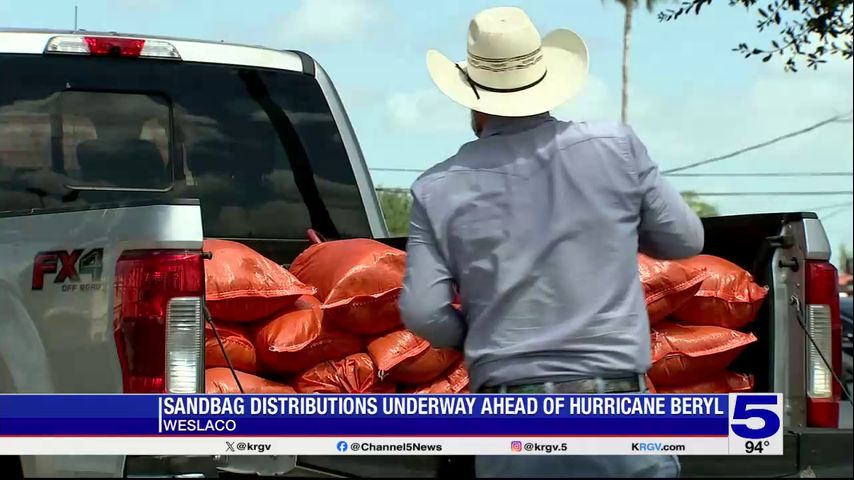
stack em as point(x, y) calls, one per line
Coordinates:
point(749, 241)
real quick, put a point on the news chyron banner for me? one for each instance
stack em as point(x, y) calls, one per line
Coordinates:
point(734, 424)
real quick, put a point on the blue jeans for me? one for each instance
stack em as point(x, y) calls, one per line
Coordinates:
point(604, 466)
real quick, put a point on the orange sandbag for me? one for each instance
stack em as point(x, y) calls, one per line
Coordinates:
point(237, 345)
point(332, 344)
point(390, 350)
point(681, 354)
point(726, 382)
point(241, 285)
point(667, 285)
point(424, 367)
point(728, 297)
point(456, 380)
point(354, 374)
point(359, 281)
point(220, 380)
point(280, 337)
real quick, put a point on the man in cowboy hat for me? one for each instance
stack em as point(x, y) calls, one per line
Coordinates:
point(538, 223)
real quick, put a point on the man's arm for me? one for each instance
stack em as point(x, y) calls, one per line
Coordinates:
point(669, 229)
point(428, 288)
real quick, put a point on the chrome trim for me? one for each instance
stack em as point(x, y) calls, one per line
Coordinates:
point(787, 358)
point(816, 243)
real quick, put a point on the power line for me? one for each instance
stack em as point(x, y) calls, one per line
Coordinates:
point(843, 118)
point(832, 205)
point(768, 174)
point(833, 214)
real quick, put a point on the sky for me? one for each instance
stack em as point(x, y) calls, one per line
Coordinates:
point(691, 97)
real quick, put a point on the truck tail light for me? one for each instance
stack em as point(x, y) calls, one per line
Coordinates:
point(824, 325)
point(158, 324)
point(111, 46)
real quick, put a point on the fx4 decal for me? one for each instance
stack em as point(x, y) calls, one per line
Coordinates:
point(69, 267)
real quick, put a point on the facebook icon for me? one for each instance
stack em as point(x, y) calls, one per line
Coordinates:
point(342, 446)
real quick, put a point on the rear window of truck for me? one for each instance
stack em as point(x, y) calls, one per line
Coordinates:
point(259, 148)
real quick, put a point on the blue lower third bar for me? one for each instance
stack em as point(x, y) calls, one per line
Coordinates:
point(367, 415)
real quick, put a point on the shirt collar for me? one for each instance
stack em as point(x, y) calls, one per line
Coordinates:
point(511, 125)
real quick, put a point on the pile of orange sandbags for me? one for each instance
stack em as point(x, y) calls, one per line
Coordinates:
point(332, 324)
point(329, 325)
point(696, 337)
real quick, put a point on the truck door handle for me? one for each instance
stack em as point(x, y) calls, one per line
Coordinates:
point(792, 264)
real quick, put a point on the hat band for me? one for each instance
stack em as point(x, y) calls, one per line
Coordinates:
point(474, 85)
point(506, 64)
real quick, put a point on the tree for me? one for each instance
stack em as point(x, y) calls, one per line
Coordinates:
point(395, 205)
point(844, 258)
point(809, 30)
point(627, 39)
point(700, 207)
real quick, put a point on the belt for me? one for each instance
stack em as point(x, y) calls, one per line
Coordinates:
point(584, 385)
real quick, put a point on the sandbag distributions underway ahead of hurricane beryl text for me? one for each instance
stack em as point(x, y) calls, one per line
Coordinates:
point(735, 424)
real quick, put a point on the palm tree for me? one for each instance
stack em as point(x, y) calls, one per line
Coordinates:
point(627, 38)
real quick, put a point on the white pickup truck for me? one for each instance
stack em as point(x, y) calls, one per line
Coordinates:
point(120, 153)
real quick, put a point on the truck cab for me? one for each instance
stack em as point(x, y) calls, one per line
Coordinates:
point(120, 153)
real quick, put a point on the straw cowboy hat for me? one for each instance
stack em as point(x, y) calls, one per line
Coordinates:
point(510, 71)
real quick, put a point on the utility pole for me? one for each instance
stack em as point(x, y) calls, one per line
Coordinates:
point(75, 18)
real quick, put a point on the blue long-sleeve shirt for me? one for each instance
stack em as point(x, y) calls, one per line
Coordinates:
point(538, 224)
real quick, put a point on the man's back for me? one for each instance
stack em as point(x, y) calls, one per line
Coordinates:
point(538, 222)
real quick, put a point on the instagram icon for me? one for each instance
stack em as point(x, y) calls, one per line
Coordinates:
point(516, 446)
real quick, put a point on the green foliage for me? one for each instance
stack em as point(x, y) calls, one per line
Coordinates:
point(395, 205)
point(808, 30)
point(702, 208)
point(844, 258)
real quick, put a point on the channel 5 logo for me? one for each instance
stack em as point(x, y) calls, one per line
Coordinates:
point(755, 416)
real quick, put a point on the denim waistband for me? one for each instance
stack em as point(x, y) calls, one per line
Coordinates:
point(629, 384)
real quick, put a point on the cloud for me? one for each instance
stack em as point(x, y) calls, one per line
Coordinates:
point(426, 111)
point(698, 123)
point(361, 96)
point(329, 21)
point(144, 4)
point(701, 125)
point(594, 102)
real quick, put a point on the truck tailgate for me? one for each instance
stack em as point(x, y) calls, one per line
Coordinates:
point(57, 270)
point(57, 283)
